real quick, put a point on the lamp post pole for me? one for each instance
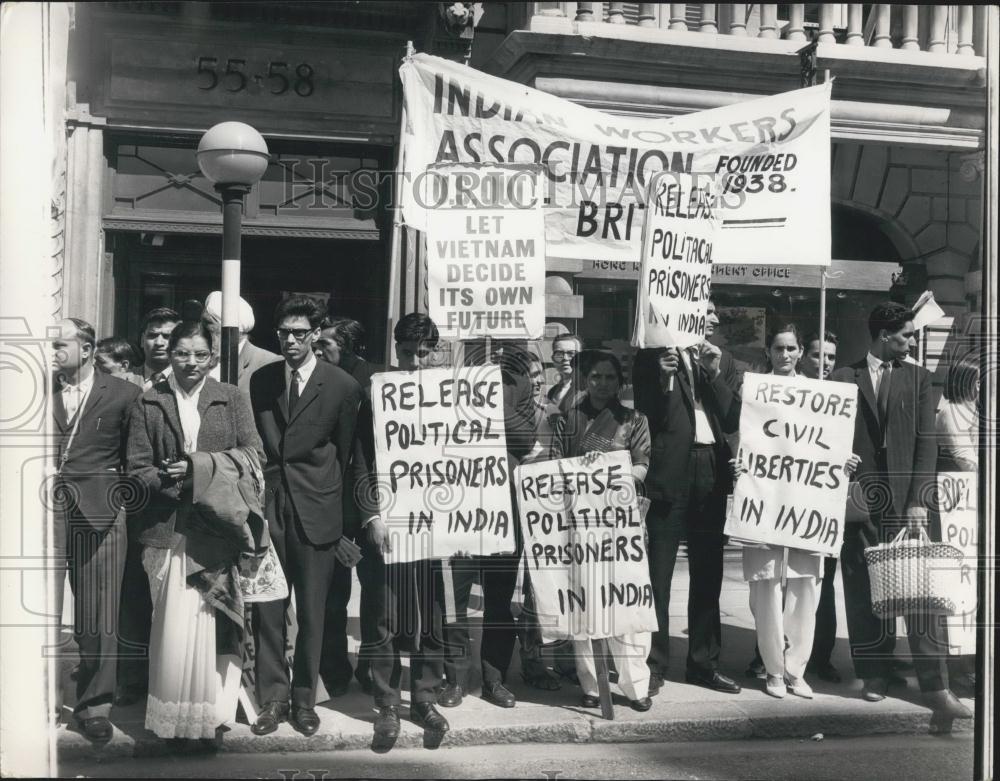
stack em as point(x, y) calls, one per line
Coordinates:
point(232, 229)
point(233, 156)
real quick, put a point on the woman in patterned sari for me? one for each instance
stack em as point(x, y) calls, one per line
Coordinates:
point(599, 423)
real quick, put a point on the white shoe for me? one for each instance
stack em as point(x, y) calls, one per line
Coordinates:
point(775, 686)
point(799, 687)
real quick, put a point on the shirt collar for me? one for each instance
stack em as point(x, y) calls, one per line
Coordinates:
point(82, 387)
point(177, 389)
point(147, 372)
point(305, 370)
point(874, 364)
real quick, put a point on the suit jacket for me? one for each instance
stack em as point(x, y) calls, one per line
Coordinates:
point(911, 449)
point(155, 436)
point(90, 481)
point(252, 358)
point(671, 420)
point(309, 452)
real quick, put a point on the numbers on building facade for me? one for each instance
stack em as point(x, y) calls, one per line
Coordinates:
point(233, 76)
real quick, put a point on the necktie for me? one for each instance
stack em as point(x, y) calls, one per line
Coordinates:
point(293, 392)
point(882, 397)
point(692, 358)
point(59, 406)
point(154, 379)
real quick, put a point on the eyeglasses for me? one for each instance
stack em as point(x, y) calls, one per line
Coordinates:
point(298, 333)
point(557, 354)
point(200, 357)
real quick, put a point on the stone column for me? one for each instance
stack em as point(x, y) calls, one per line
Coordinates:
point(87, 288)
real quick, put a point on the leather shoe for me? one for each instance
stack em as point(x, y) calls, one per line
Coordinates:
point(874, 689)
point(98, 728)
point(451, 696)
point(825, 672)
point(756, 669)
point(305, 720)
point(268, 719)
point(425, 715)
point(655, 683)
point(944, 704)
point(387, 723)
point(499, 694)
point(713, 680)
point(641, 705)
point(590, 701)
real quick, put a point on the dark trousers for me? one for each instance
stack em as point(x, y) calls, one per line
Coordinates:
point(309, 570)
point(335, 666)
point(696, 516)
point(96, 560)
point(825, 637)
point(873, 638)
point(497, 575)
point(410, 620)
point(135, 617)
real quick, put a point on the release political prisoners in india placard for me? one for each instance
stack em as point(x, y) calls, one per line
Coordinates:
point(957, 503)
point(771, 153)
point(485, 252)
point(440, 451)
point(675, 280)
point(583, 547)
point(796, 435)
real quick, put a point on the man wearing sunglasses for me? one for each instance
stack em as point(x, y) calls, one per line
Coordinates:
point(306, 412)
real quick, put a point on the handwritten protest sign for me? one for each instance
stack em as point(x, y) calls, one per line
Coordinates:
point(682, 221)
point(957, 503)
point(440, 451)
point(485, 252)
point(772, 154)
point(583, 545)
point(796, 435)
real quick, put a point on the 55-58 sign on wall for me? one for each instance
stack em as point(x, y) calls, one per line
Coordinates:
point(278, 77)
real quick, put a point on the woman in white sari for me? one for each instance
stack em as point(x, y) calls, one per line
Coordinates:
point(196, 638)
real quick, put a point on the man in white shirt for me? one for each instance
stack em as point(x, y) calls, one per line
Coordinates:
point(565, 348)
point(90, 411)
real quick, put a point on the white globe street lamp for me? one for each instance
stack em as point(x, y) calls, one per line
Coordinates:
point(233, 157)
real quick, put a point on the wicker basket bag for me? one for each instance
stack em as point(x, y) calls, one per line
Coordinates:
point(914, 576)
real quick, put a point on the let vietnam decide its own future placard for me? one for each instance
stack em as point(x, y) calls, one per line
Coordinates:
point(796, 435)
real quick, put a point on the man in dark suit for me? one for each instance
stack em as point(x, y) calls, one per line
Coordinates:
point(305, 413)
point(691, 402)
point(400, 602)
point(894, 436)
point(136, 607)
point(562, 393)
point(90, 413)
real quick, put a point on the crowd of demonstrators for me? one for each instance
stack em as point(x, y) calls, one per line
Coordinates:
point(285, 461)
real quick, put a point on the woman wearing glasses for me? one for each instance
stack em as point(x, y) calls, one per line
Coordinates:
point(191, 554)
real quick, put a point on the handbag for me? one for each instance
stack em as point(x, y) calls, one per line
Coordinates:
point(267, 583)
point(914, 576)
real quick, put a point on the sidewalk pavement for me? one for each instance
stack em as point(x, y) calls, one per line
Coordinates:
point(680, 712)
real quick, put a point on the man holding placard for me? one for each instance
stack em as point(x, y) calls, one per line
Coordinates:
point(894, 436)
point(689, 402)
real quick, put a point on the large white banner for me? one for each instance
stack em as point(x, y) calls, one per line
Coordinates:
point(957, 495)
point(796, 435)
point(441, 455)
point(772, 154)
point(583, 547)
point(486, 252)
point(675, 280)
